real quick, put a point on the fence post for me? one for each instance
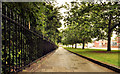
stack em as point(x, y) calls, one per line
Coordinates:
point(0, 36)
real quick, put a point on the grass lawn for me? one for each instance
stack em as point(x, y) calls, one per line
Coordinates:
point(100, 54)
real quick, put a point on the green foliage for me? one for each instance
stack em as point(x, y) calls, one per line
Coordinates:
point(44, 17)
point(79, 26)
point(89, 20)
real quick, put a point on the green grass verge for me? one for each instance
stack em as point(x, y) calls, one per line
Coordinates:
point(100, 55)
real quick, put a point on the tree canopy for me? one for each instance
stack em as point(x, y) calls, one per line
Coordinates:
point(43, 17)
point(90, 20)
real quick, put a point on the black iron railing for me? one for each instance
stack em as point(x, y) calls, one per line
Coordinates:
point(20, 45)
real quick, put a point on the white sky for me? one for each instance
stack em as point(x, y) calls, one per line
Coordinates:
point(63, 1)
point(60, 2)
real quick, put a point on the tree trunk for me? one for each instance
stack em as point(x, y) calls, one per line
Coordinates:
point(109, 42)
point(76, 45)
point(72, 45)
point(109, 35)
point(83, 45)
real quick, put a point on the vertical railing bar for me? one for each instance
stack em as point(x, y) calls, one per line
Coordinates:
point(16, 39)
point(12, 41)
point(1, 37)
point(5, 52)
point(27, 50)
point(29, 47)
point(25, 44)
point(25, 54)
point(21, 43)
point(36, 47)
point(28, 53)
point(9, 43)
point(31, 58)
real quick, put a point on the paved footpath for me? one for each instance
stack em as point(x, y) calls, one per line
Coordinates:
point(63, 61)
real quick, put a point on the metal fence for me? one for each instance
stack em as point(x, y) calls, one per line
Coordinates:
point(20, 45)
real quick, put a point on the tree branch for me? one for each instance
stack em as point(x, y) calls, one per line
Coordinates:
point(114, 26)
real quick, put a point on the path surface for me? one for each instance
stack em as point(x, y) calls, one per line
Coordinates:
point(63, 61)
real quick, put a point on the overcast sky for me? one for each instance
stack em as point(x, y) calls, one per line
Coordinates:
point(60, 2)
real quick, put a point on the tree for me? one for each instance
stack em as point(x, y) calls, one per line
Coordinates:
point(107, 18)
point(102, 19)
point(43, 16)
point(78, 18)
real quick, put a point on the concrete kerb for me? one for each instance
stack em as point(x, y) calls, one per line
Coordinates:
point(115, 69)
